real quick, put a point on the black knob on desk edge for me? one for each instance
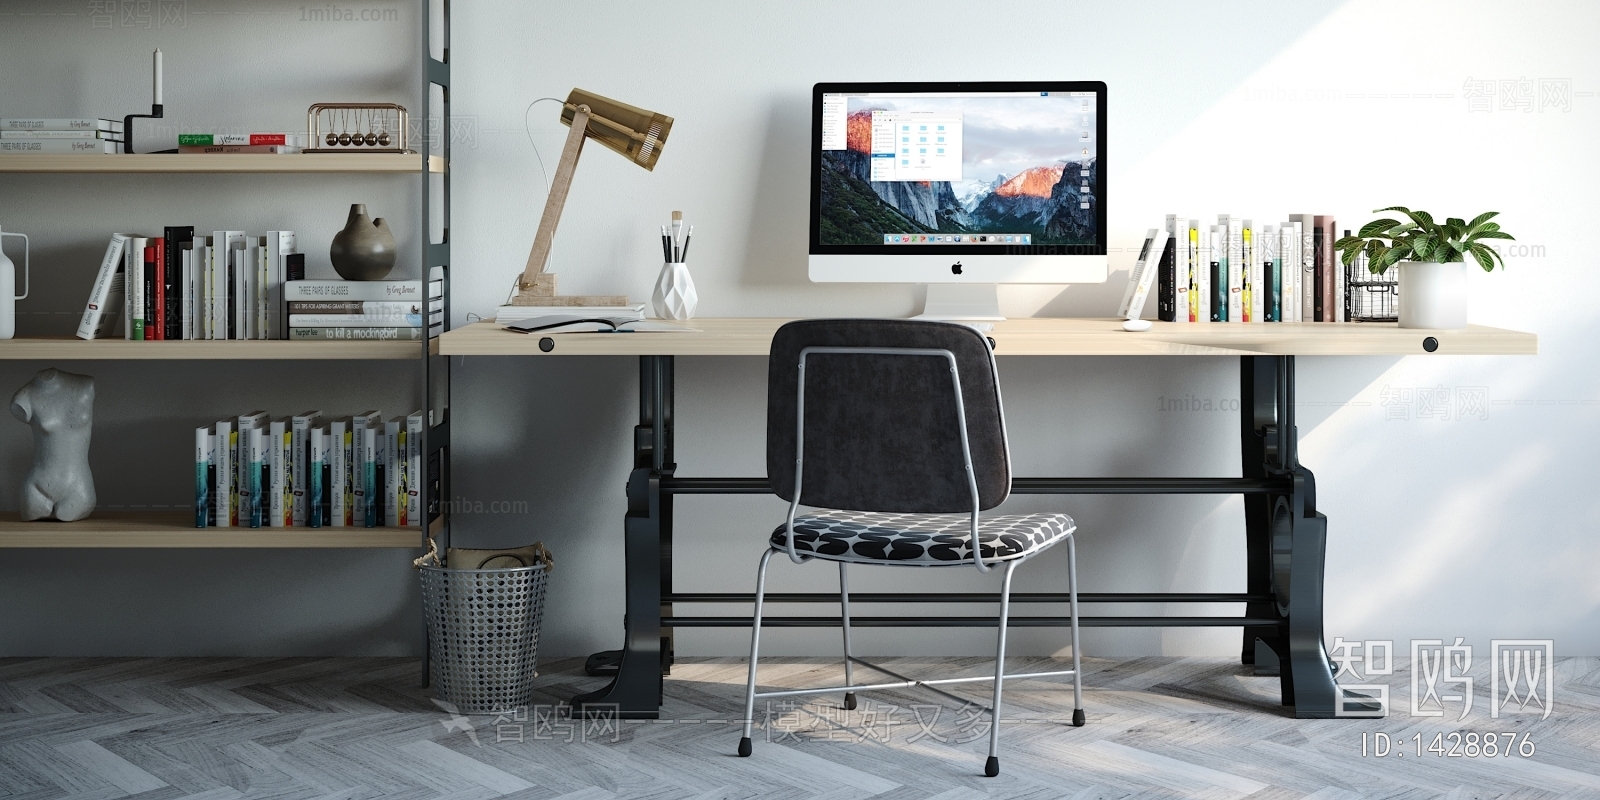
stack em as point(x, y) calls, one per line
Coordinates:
point(546, 344)
point(1430, 344)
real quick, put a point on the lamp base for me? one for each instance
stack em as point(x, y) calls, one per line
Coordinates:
point(542, 292)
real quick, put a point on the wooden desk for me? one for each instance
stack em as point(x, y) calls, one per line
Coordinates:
point(1028, 337)
point(1285, 535)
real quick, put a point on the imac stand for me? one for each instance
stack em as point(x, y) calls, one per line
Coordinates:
point(962, 302)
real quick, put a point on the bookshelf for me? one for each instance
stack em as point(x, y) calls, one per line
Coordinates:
point(392, 163)
point(175, 529)
point(160, 527)
point(71, 347)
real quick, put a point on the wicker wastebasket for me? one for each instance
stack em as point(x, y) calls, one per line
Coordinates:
point(483, 633)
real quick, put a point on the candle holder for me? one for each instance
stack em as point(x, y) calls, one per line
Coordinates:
point(127, 126)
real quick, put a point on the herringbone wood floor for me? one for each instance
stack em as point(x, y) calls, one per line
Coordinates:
point(227, 729)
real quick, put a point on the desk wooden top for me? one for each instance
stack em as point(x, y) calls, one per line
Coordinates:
point(1028, 337)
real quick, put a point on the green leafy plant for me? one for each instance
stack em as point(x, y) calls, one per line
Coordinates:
point(1388, 241)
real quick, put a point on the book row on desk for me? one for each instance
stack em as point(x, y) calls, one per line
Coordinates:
point(257, 471)
point(1240, 270)
point(102, 136)
point(232, 285)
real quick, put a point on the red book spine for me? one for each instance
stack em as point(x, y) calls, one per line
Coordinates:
point(160, 320)
point(268, 138)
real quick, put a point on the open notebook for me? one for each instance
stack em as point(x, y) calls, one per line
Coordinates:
point(572, 323)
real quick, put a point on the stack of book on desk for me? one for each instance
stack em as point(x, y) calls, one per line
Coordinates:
point(240, 143)
point(506, 315)
point(363, 310)
point(60, 136)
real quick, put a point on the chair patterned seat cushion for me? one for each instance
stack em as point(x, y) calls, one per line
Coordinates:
point(921, 539)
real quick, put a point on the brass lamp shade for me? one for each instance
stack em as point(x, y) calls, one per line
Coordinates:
point(629, 130)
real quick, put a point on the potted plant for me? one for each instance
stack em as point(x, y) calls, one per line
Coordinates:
point(1431, 257)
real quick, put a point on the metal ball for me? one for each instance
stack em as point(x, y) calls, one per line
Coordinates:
point(332, 139)
point(344, 138)
point(383, 138)
point(372, 139)
point(357, 140)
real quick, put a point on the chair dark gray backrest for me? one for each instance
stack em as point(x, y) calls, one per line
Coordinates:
point(881, 431)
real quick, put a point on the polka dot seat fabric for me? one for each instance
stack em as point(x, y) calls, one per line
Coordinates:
point(920, 539)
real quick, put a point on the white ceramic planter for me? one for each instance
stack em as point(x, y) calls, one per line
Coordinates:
point(1433, 295)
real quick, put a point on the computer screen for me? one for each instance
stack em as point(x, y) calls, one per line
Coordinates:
point(1009, 168)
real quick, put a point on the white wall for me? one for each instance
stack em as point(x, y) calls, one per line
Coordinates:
point(1473, 527)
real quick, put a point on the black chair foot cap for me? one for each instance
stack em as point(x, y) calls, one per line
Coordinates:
point(991, 767)
point(1077, 718)
point(850, 701)
point(744, 747)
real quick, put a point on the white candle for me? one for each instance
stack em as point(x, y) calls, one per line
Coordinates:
point(157, 99)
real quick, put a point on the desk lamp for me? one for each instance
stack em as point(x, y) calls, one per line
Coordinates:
point(635, 133)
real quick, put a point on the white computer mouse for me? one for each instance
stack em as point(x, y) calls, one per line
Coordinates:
point(1136, 325)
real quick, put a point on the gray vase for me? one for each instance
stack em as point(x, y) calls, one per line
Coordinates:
point(364, 250)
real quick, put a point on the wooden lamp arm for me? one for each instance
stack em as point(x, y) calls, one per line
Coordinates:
point(559, 185)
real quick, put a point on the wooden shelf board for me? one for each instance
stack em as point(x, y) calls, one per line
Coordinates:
point(176, 529)
point(1029, 337)
point(242, 162)
point(71, 347)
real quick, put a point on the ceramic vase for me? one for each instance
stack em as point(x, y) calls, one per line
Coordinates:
point(1433, 295)
point(674, 296)
point(364, 250)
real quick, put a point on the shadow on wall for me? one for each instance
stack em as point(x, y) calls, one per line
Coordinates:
point(777, 239)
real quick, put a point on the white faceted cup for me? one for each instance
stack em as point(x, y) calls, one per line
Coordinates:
point(674, 296)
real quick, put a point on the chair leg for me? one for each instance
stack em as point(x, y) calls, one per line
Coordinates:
point(991, 767)
point(844, 617)
point(755, 648)
point(1077, 665)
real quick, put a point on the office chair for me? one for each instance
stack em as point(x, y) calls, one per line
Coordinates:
point(893, 429)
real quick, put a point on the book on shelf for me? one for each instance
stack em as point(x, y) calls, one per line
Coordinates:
point(154, 291)
point(236, 139)
point(100, 314)
point(1251, 297)
point(238, 149)
point(392, 482)
point(47, 135)
point(393, 291)
point(253, 494)
point(1167, 275)
point(246, 506)
point(222, 452)
point(173, 239)
point(1233, 264)
point(371, 449)
point(298, 486)
point(58, 146)
point(203, 477)
point(389, 334)
point(411, 512)
point(1271, 283)
point(60, 124)
point(278, 455)
point(134, 283)
point(408, 317)
point(339, 473)
point(316, 477)
point(361, 439)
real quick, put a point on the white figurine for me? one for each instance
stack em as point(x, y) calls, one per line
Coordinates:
point(60, 407)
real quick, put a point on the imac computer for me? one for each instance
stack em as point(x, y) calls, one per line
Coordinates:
point(960, 186)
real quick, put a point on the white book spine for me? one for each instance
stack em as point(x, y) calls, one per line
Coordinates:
point(223, 459)
point(415, 434)
point(1341, 314)
point(1144, 272)
point(339, 473)
point(1235, 245)
point(280, 244)
point(1252, 272)
point(133, 283)
point(1267, 243)
point(391, 471)
point(100, 295)
point(252, 495)
point(1202, 271)
point(316, 471)
point(280, 474)
point(371, 509)
point(302, 425)
point(1308, 268)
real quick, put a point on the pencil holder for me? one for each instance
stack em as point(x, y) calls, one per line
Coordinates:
point(674, 296)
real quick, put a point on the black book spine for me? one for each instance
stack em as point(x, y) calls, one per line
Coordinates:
point(1269, 292)
point(1219, 292)
point(233, 319)
point(1167, 283)
point(176, 238)
point(1316, 250)
point(149, 294)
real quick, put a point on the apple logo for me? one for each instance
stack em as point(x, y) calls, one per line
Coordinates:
point(955, 269)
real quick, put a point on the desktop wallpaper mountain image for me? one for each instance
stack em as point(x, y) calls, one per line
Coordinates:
point(1044, 201)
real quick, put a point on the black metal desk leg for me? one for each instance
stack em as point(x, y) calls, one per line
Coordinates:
point(1286, 543)
point(635, 692)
